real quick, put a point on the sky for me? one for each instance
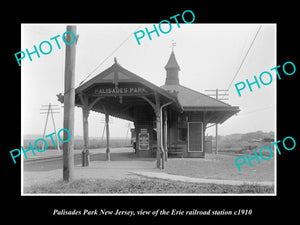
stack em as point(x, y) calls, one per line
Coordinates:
point(209, 56)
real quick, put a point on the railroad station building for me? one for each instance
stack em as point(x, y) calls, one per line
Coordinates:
point(170, 119)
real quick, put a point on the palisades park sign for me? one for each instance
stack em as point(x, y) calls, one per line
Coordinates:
point(120, 90)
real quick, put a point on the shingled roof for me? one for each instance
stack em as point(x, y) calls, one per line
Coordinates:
point(183, 98)
point(189, 98)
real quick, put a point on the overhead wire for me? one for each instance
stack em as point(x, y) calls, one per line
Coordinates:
point(239, 68)
point(117, 48)
point(257, 110)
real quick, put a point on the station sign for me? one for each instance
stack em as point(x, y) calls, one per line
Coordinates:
point(121, 90)
point(144, 139)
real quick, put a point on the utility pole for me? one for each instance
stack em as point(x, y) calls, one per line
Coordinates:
point(51, 111)
point(69, 103)
point(216, 95)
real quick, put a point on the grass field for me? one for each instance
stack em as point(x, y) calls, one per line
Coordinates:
point(78, 143)
point(246, 150)
point(142, 186)
point(222, 166)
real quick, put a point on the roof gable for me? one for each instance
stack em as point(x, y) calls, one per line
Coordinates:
point(117, 74)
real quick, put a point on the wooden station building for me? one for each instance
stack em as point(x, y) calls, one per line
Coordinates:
point(167, 119)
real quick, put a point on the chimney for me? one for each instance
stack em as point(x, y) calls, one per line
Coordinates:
point(172, 69)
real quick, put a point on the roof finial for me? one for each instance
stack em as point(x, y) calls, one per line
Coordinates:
point(115, 59)
point(173, 44)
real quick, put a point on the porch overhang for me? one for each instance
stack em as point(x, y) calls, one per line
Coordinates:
point(117, 91)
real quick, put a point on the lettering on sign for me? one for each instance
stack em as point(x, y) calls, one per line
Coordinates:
point(121, 90)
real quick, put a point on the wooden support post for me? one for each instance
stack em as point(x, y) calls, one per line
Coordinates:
point(161, 152)
point(85, 151)
point(107, 137)
point(86, 107)
point(166, 134)
point(69, 104)
point(158, 131)
point(158, 151)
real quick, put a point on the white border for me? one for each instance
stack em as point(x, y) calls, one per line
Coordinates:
point(147, 194)
point(275, 110)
